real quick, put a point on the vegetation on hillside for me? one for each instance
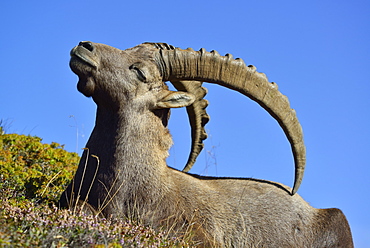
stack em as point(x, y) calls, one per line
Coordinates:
point(32, 177)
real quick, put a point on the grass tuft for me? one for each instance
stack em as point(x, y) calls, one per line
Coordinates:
point(32, 177)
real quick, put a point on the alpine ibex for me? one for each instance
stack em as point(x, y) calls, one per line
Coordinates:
point(123, 171)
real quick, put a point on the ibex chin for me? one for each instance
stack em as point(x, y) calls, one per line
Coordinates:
point(123, 171)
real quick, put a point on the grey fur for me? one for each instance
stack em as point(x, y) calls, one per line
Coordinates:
point(128, 175)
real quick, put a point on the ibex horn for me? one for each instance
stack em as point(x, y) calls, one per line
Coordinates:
point(177, 64)
point(198, 117)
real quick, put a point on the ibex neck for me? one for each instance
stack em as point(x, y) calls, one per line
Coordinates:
point(134, 140)
point(130, 147)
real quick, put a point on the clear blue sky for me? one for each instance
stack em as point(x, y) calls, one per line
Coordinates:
point(316, 51)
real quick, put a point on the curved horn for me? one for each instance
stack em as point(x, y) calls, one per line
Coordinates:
point(198, 117)
point(177, 64)
point(197, 114)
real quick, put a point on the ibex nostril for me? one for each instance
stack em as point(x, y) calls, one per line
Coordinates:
point(87, 44)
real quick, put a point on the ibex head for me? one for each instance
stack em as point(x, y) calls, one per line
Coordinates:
point(139, 74)
point(135, 75)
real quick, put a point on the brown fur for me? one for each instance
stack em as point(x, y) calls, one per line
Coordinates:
point(128, 176)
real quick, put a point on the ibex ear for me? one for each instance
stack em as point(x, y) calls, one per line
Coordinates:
point(175, 99)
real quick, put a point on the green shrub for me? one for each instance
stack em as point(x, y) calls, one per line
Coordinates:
point(35, 170)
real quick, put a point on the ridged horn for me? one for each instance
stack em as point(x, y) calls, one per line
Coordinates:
point(197, 114)
point(198, 117)
point(177, 64)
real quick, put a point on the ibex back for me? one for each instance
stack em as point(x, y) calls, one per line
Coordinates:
point(123, 171)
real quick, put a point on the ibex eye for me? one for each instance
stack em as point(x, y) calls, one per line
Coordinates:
point(139, 72)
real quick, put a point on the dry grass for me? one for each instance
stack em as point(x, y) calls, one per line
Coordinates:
point(33, 225)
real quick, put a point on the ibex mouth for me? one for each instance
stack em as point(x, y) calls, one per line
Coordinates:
point(83, 55)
